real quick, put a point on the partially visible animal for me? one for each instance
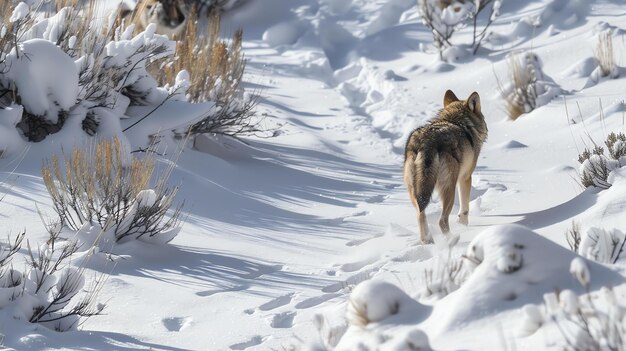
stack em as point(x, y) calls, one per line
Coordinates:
point(443, 154)
point(170, 16)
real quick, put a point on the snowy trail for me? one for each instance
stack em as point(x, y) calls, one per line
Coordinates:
point(353, 222)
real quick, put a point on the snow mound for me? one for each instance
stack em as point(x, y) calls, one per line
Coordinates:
point(565, 14)
point(581, 69)
point(514, 266)
point(512, 144)
point(375, 305)
point(510, 268)
point(284, 33)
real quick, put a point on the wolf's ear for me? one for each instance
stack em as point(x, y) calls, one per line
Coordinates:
point(449, 97)
point(473, 102)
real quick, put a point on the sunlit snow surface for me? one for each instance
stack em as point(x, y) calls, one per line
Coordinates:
point(278, 233)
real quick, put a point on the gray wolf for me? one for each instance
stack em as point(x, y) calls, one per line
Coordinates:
point(441, 155)
point(170, 16)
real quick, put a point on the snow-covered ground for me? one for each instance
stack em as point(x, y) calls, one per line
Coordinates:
point(278, 232)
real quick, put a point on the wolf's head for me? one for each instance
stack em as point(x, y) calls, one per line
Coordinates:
point(471, 105)
point(463, 108)
point(170, 16)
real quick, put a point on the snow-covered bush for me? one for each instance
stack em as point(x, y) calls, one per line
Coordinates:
point(602, 245)
point(108, 187)
point(95, 67)
point(593, 321)
point(101, 71)
point(373, 302)
point(214, 71)
point(49, 291)
point(596, 165)
point(528, 87)
point(445, 17)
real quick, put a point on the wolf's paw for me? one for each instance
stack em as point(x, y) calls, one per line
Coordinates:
point(428, 240)
point(463, 219)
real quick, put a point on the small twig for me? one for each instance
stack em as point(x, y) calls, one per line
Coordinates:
point(169, 96)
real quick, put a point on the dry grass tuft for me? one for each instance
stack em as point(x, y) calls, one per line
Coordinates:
point(215, 67)
point(604, 54)
point(521, 97)
point(103, 186)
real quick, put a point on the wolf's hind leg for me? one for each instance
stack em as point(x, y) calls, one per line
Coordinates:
point(446, 188)
point(465, 185)
point(423, 224)
point(447, 197)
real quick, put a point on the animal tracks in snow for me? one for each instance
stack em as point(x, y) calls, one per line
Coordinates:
point(316, 300)
point(355, 266)
point(358, 242)
point(277, 302)
point(176, 324)
point(253, 341)
point(350, 281)
point(282, 320)
point(339, 220)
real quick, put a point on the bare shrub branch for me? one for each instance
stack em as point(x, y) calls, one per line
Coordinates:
point(573, 236)
point(445, 17)
point(56, 285)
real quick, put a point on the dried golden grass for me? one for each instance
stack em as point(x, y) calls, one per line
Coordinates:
point(215, 66)
point(521, 95)
point(604, 53)
point(97, 183)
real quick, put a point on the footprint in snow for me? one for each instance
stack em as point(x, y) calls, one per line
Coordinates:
point(254, 341)
point(340, 220)
point(277, 302)
point(355, 266)
point(358, 242)
point(350, 281)
point(176, 324)
point(315, 300)
point(282, 320)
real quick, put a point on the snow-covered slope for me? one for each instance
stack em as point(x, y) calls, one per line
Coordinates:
point(279, 232)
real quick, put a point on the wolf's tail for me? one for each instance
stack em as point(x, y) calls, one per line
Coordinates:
point(424, 178)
